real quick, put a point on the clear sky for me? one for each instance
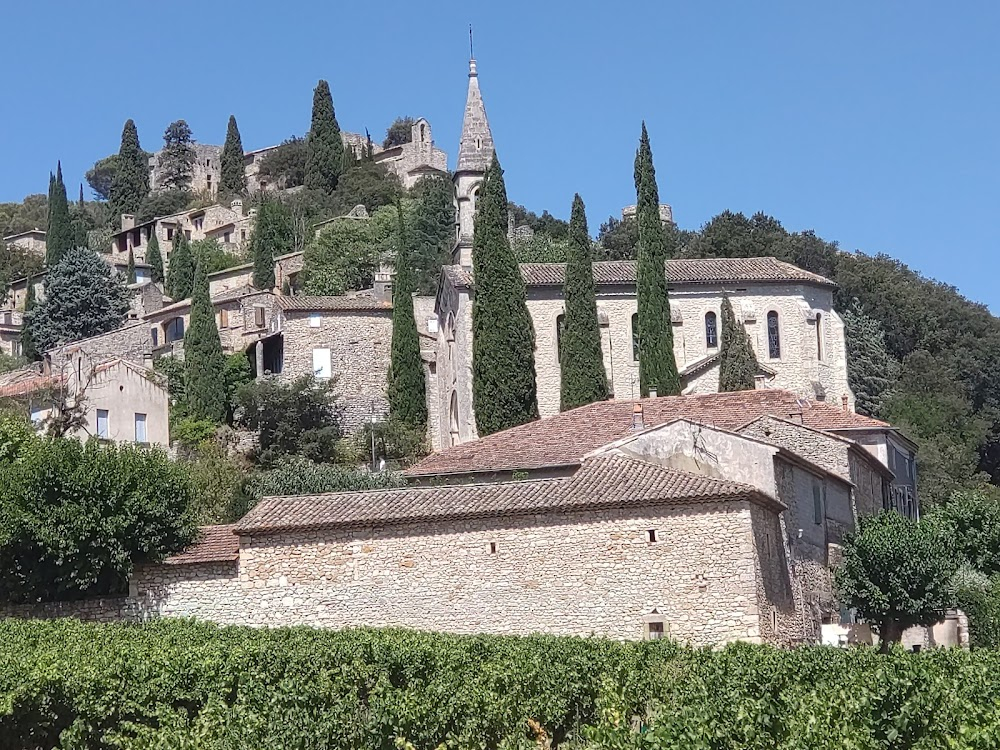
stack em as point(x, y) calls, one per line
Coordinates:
point(874, 123)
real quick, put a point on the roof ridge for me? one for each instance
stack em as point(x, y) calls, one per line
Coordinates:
point(743, 486)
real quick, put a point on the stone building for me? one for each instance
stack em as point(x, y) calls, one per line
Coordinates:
point(11, 322)
point(206, 169)
point(32, 240)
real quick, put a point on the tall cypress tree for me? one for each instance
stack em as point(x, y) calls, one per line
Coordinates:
point(28, 348)
point(180, 269)
point(581, 361)
point(407, 391)
point(80, 222)
point(233, 179)
point(131, 181)
point(273, 234)
point(130, 269)
point(324, 146)
point(204, 362)
point(59, 233)
point(504, 392)
point(154, 258)
point(657, 366)
point(871, 369)
point(737, 361)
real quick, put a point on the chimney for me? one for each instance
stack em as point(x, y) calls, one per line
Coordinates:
point(383, 284)
point(237, 206)
point(844, 402)
point(637, 420)
point(652, 391)
point(128, 221)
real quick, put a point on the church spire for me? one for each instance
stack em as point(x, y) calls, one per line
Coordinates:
point(475, 150)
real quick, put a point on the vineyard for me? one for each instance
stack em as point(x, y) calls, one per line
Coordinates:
point(181, 685)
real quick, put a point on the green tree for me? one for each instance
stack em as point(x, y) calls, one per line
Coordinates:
point(737, 361)
point(83, 297)
point(400, 132)
point(130, 268)
point(233, 179)
point(325, 148)
point(176, 160)
point(81, 222)
point(154, 258)
point(345, 253)
point(657, 366)
point(285, 165)
point(181, 267)
point(163, 203)
point(433, 230)
point(204, 362)
point(294, 475)
point(59, 234)
point(28, 348)
point(619, 239)
point(581, 361)
point(367, 184)
point(17, 262)
point(77, 517)
point(504, 392)
point(101, 176)
point(896, 573)
point(212, 257)
point(407, 391)
point(273, 235)
point(871, 370)
point(130, 183)
point(300, 418)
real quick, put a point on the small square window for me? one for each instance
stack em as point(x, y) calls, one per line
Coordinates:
point(314, 321)
point(654, 631)
point(651, 535)
point(493, 548)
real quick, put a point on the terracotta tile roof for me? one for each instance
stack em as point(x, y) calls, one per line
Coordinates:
point(608, 481)
point(25, 381)
point(214, 544)
point(360, 301)
point(680, 271)
point(227, 295)
point(565, 438)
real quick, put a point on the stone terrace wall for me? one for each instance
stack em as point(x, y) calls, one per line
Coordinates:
point(111, 609)
point(583, 573)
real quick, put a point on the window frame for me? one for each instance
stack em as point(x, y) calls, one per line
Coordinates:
point(105, 415)
point(138, 418)
point(711, 334)
point(773, 336)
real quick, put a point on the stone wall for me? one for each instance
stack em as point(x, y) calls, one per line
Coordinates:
point(454, 413)
point(111, 609)
point(359, 344)
point(132, 342)
point(582, 573)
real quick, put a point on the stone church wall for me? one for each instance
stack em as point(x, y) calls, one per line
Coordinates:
point(583, 573)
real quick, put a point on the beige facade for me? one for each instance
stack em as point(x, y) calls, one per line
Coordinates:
point(127, 403)
point(205, 172)
point(32, 240)
point(10, 332)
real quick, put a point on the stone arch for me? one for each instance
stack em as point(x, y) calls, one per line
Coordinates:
point(453, 419)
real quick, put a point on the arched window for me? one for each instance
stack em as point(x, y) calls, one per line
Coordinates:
point(635, 337)
point(819, 336)
point(711, 330)
point(773, 336)
point(423, 134)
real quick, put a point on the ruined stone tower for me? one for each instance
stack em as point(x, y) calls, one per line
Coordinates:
point(475, 151)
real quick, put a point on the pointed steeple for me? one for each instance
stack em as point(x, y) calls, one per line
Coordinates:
point(475, 151)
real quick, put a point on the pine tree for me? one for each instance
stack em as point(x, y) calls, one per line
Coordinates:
point(233, 179)
point(28, 349)
point(273, 235)
point(176, 161)
point(59, 233)
point(130, 269)
point(581, 361)
point(153, 258)
point(871, 369)
point(737, 361)
point(180, 269)
point(504, 392)
point(324, 146)
point(657, 366)
point(131, 181)
point(406, 390)
point(204, 362)
point(83, 297)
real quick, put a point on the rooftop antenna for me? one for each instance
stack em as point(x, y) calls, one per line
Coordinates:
point(471, 56)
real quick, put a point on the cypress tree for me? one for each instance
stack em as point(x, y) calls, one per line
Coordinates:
point(657, 366)
point(406, 391)
point(154, 258)
point(233, 179)
point(737, 362)
point(273, 234)
point(59, 233)
point(504, 392)
point(28, 349)
point(181, 271)
point(871, 369)
point(581, 361)
point(80, 222)
point(131, 181)
point(204, 362)
point(324, 146)
point(130, 269)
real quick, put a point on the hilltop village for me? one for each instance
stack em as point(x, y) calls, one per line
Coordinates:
point(691, 470)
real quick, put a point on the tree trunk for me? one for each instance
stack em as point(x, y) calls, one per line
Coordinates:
point(889, 632)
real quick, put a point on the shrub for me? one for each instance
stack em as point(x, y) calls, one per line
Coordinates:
point(299, 476)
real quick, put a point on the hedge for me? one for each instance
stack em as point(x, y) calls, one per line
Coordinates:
point(178, 684)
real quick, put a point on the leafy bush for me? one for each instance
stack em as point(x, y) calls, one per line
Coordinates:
point(177, 684)
point(395, 441)
point(75, 518)
point(299, 476)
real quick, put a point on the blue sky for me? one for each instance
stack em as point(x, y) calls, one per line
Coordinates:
point(874, 123)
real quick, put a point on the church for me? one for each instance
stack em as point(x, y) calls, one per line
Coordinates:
point(797, 335)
